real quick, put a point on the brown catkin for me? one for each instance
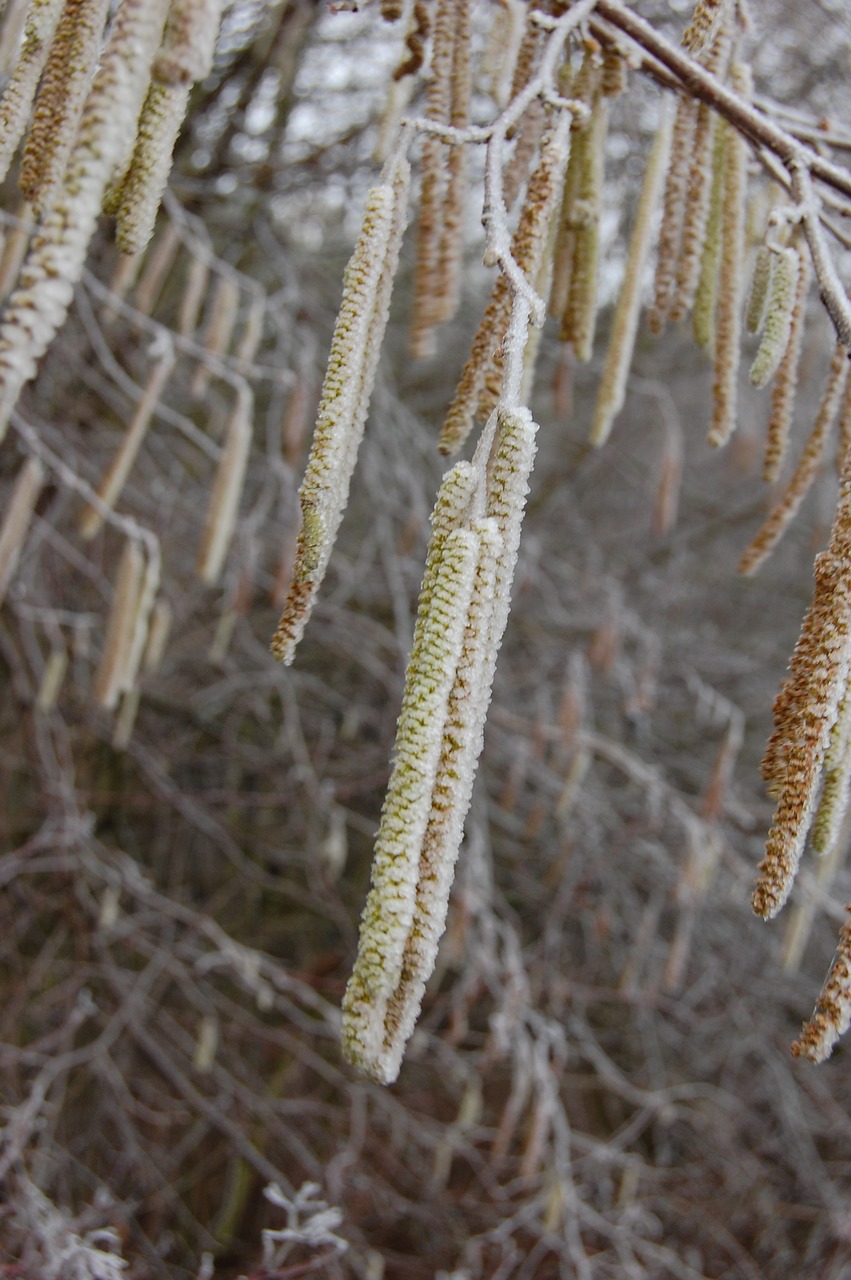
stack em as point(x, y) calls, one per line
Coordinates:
point(784, 512)
point(428, 286)
point(64, 87)
point(673, 206)
point(805, 712)
point(832, 1014)
point(481, 378)
point(16, 102)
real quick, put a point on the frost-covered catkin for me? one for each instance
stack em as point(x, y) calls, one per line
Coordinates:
point(390, 907)
point(453, 786)
point(64, 87)
point(776, 279)
point(785, 387)
point(784, 512)
point(805, 712)
point(185, 57)
point(760, 290)
point(344, 402)
point(612, 388)
point(728, 319)
point(16, 102)
point(832, 1015)
point(481, 379)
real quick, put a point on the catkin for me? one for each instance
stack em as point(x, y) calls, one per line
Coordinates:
point(460, 749)
point(115, 476)
point(832, 1015)
point(218, 330)
point(427, 307)
point(345, 398)
point(186, 56)
point(760, 290)
point(703, 312)
point(833, 801)
point(227, 488)
point(776, 280)
point(770, 533)
point(786, 378)
point(805, 712)
point(673, 206)
point(728, 320)
point(390, 908)
point(109, 680)
point(16, 521)
point(16, 102)
point(481, 379)
point(64, 87)
point(612, 387)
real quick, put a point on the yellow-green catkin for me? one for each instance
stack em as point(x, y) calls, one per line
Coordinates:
point(390, 908)
point(785, 387)
point(760, 290)
point(344, 402)
point(580, 313)
point(460, 748)
point(612, 387)
point(776, 279)
point(703, 312)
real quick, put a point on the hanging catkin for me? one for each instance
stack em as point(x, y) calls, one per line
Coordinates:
point(344, 402)
point(728, 318)
point(832, 1015)
point(16, 102)
point(784, 512)
point(481, 378)
point(64, 87)
point(805, 711)
point(785, 386)
point(186, 56)
point(612, 387)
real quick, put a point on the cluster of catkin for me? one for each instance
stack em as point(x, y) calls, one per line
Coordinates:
point(547, 167)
